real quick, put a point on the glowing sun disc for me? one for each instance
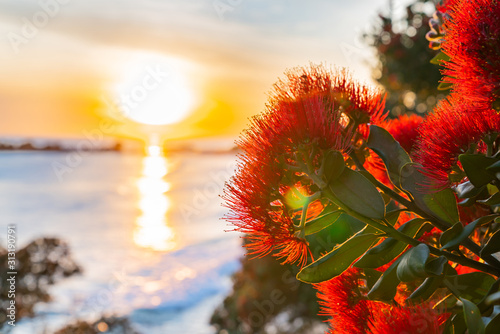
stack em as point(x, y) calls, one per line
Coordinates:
point(153, 90)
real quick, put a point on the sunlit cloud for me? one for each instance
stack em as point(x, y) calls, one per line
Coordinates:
point(236, 49)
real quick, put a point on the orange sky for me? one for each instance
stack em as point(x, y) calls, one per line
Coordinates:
point(60, 59)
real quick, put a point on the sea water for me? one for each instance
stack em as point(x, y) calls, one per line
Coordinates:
point(145, 229)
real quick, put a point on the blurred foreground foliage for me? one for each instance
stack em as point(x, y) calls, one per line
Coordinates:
point(40, 264)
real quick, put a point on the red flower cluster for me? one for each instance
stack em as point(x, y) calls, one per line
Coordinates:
point(405, 130)
point(312, 111)
point(471, 42)
point(349, 310)
point(342, 301)
point(450, 131)
point(360, 103)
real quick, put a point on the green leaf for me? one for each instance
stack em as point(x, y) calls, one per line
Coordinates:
point(412, 265)
point(451, 233)
point(371, 276)
point(467, 190)
point(338, 260)
point(458, 323)
point(354, 224)
point(493, 299)
point(444, 85)
point(458, 235)
point(441, 204)
point(321, 222)
point(492, 246)
point(391, 152)
point(426, 289)
point(390, 248)
point(473, 286)
point(333, 165)
point(358, 194)
point(392, 217)
point(492, 200)
point(440, 57)
point(484, 305)
point(387, 285)
point(494, 168)
point(493, 326)
point(467, 202)
point(473, 318)
point(475, 166)
point(436, 266)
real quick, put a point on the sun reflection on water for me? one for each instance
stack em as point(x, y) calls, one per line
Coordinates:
point(152, 230)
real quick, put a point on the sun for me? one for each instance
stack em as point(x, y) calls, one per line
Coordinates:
point(154, 90)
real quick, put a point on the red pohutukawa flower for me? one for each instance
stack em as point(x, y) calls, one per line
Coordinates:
point(254, 198)
point(259, 194)
point(450, 131)
point(406, 319)
point(471, 41)
point(307, 115)
point(343, 300)
point(405, 130)
point(360, 103)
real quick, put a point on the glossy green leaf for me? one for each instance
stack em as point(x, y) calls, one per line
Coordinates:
point(451, 233)
point(321, 222)
point(484, 305)
point(354, 224)
point(467, 202)
point(475, 166)
point(473, 286)
point(387, 285)
point(412, 265)
point(473, 318)
point(443, 205)
point(458, 324)
point(440, 204)
point(333, 165)
point(468, 190)
point(493, 299)
point(444, 85)
point(358, 194)
point(440, 57)
point(494, 168)
point(338, 260)
point(426, 289)
point(492, 200)
point(493, 326)
point(460, 234)
point(368, 176)
point(492, 246)
point(390, 248)
point(392, 217)
point(436, 266)
point(371, 276)
point(390, 151)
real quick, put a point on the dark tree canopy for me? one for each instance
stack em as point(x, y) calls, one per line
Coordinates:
point(403, 53)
